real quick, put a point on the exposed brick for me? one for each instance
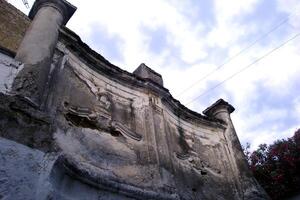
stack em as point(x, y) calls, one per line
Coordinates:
point(13, 25)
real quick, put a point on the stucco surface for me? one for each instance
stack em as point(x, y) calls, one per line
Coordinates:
point(20, 170)
point(9, 68)
point(99, 132)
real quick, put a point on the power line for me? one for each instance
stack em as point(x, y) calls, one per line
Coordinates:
point(238, 54)
point(246, 67)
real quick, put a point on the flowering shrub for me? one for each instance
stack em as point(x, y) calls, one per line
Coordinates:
point(277, 166)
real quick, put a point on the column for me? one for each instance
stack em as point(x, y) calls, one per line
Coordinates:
point(247, 185)
point(37, 47)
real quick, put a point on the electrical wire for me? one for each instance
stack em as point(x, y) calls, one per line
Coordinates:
point(246, 67)
point(274, 28)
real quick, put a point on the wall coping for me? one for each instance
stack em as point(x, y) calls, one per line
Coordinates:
point(101, 65)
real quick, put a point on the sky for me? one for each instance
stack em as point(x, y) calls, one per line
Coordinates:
point(187, 40)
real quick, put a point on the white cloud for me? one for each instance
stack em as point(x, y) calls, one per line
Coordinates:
point(127, 18)
point(296, 111)
point(228, 10)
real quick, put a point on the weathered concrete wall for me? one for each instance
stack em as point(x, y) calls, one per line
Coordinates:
point(27, 173)
point(9, 68)
point(112, 140)
point(104, 133)
point(19, 170)
point(136, 139)
point(129, 136)
point(13, 25)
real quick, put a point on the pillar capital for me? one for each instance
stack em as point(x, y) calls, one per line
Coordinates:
point(65, 8)
point(217, 108)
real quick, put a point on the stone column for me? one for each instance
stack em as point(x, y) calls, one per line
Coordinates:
point(248, 187)
point(38, 45)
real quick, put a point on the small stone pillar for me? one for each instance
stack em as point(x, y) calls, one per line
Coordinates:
point(247, 186)
point(37, 47)
point(145, 72)
point(221, 110)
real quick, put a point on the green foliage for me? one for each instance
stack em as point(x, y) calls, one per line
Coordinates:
point(277, 166)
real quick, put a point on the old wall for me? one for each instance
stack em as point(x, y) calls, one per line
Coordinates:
point(40, 176)
point(129, 135)
point(13, 25)
point(8, 71)
point(12, 172)
point(113, 136)
point(103, 130)
point(103, 133)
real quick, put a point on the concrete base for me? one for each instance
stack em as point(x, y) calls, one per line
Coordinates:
point(40, 176)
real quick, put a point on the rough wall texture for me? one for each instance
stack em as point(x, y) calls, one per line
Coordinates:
point(20, 181)
point(9, 68)
point(104, 133)
point(13, 25)
point(110, 138)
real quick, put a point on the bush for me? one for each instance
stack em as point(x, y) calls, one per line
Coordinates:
point(277, 166)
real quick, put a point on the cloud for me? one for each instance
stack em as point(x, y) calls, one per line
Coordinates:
point(103, 42)
point(186, 40)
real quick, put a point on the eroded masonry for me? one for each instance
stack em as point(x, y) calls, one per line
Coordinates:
point(74, 126)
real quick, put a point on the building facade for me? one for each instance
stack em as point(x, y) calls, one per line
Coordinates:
point(75, 126)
